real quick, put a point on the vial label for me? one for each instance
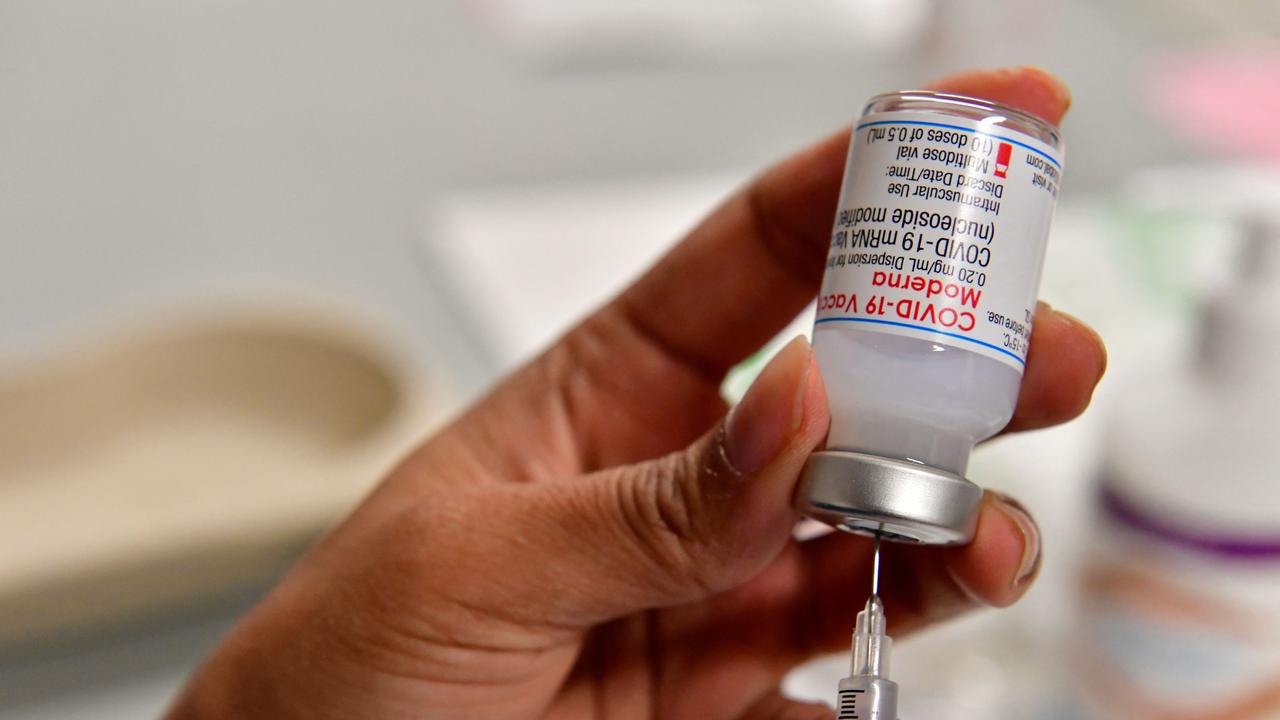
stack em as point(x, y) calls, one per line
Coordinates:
point(941, 233)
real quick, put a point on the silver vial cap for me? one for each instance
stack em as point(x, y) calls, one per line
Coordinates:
point(893, 498)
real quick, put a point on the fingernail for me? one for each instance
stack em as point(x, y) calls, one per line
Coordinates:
point(760, 426)
point(1099, 344)
point(1030, 562)
point(1059, 88)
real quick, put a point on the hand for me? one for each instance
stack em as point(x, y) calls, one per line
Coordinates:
point(596, 539)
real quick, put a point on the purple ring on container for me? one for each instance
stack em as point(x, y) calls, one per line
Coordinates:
point(1239, 547)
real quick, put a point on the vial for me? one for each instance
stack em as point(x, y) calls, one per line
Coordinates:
point(926, 307)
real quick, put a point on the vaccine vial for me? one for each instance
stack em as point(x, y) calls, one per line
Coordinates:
point(926, 308)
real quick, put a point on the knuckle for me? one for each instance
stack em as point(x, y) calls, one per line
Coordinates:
point(584, 362)
point(669, 517)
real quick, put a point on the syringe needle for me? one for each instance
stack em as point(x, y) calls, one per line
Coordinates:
point(868, 693)
point(875, 568)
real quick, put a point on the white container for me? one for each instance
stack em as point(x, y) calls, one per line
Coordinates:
point(1180, 599)
point(926, 308)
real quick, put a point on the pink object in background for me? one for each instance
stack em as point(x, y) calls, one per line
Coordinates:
point(1227, 99)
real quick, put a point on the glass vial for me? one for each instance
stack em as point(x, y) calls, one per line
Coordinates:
point(926, 308)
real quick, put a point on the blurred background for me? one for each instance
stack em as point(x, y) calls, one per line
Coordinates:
point(250, 252)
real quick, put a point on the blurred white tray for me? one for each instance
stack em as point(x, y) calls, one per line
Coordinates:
point(523, 262)
point(589, 34)
point(175, 459)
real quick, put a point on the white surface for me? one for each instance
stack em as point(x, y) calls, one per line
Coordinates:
point(523, 263)
point(718, 31)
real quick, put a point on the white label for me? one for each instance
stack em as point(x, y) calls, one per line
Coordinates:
point(941, 233)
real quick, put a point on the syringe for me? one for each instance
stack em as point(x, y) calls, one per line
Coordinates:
point(868, 693)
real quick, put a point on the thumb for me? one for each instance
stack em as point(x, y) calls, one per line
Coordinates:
point(690, 524)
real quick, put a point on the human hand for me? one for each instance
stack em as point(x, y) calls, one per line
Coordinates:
point(596, 539)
